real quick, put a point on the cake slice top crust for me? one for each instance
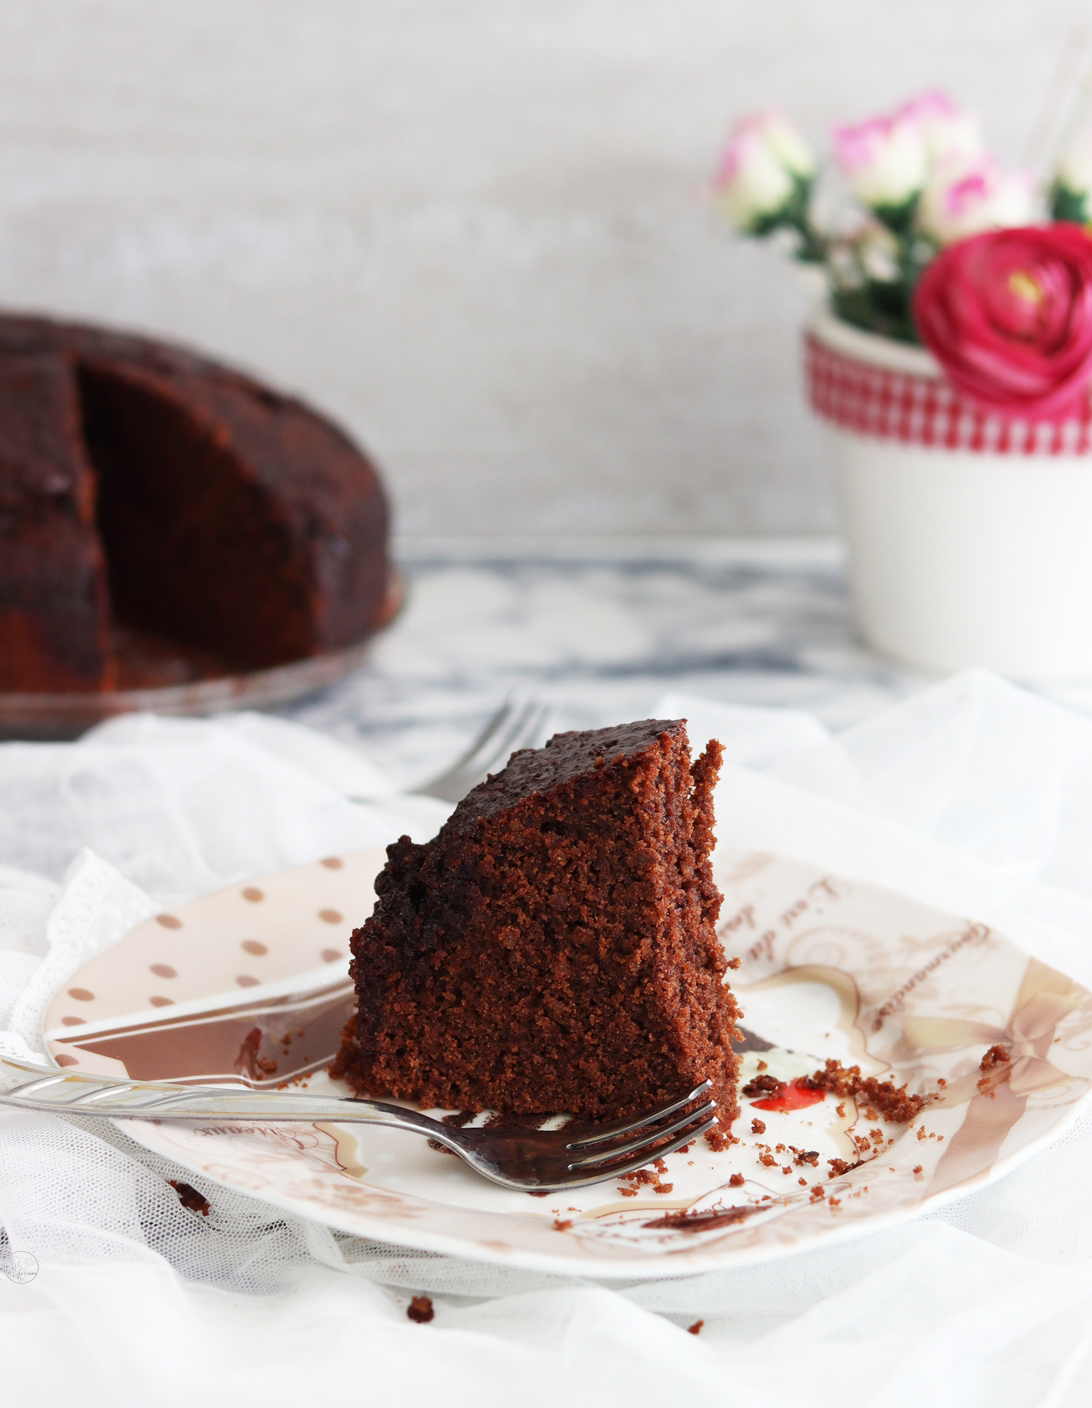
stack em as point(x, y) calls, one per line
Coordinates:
point(566, 756)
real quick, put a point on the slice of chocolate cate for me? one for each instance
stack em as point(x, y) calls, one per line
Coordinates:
point(553, 948)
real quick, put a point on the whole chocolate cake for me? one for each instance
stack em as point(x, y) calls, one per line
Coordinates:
point(553, 948)
point(146, 487)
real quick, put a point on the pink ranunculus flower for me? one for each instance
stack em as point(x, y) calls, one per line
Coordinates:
point(761, 166)
point(1008, 314)
point(884, 159)
point(965, 196)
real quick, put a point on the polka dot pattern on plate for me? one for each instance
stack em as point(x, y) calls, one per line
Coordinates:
point(211, 944)
point(63, 1059)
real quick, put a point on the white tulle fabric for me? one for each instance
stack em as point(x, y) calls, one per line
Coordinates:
point(973, 795)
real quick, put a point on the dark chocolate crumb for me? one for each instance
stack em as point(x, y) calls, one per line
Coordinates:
point(839, 1166)
point(190, 1198)
point(695, 1328)
point(764, 1087)
point(420, 1310)
point(885, 1099)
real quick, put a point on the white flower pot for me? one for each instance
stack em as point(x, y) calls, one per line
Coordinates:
point(973, 551)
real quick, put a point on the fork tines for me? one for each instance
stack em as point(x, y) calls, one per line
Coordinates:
point(520, 722)
point(605, 1150)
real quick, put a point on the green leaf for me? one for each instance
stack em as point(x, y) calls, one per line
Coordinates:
point(1068, 205)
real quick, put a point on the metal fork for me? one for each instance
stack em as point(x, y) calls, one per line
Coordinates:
point(520, 722)
point(531, 1160)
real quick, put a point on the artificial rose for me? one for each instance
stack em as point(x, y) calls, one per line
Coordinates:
point(966, 195)
point(1008, 314)
point(762, 168)
point(884, 160)
point(947, 131)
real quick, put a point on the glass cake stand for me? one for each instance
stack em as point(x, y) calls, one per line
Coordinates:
point(162, 678)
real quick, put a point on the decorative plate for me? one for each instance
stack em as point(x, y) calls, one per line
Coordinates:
point(830, 968)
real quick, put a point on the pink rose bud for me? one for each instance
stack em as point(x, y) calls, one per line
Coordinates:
point(884, 160)
point(947, 130)
point(964, 196)
point(1008, 314)
point(760, 169)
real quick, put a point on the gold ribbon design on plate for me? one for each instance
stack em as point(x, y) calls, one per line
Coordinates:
point(1045, 999)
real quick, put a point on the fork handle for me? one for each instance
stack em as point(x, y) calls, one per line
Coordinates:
point(42, 1088)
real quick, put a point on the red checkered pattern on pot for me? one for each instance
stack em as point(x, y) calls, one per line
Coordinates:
point(921, 410)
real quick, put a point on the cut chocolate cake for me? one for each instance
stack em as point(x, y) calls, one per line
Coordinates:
point(147, 489)
point(553, 948)
point(53, 602)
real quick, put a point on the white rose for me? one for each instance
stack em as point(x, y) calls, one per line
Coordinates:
point(948, 132)
point(885, 160)
point(787, 145)
point(964, 197)
point(761, 168)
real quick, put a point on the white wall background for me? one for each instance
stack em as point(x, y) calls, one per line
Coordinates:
point(473, 229)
